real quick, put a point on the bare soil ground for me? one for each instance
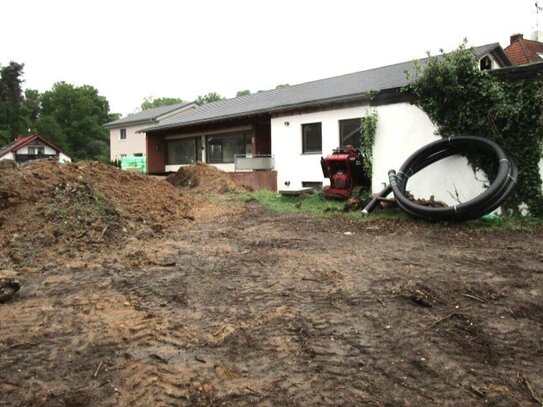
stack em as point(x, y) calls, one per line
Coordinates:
point(246, 307)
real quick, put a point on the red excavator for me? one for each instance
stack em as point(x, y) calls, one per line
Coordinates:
point(345, 169)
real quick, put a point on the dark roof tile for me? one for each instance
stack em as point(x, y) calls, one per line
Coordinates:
point(341, 87)
point(146, 115)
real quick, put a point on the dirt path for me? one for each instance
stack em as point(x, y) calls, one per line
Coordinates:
point(265, 309)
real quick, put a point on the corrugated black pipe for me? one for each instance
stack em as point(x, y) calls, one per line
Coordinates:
point(486, 202)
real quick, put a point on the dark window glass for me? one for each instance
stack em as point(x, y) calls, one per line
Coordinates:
point(123, 134)
point(223, 149)
point(183, 151)
point(349, 132)
point(485, 64)
point(36, 150)
point(312, 138)
point(312, 184)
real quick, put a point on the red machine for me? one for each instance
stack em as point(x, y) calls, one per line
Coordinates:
point(345, 169)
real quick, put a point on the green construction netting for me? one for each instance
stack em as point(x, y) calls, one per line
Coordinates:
point(131, 162)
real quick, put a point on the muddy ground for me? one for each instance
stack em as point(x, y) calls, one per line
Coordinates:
point(246, 307)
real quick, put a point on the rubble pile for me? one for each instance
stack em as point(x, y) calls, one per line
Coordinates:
point(204, 178)
point(47, 208)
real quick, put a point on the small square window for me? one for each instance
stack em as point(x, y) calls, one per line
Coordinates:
point(311, 138)
point(123, 134)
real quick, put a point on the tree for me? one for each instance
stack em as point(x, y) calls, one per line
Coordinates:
point(74, 117)
point(210, 97)
point(48, 127)
point(151, 102)
point(282, 85)
point(11, 98)
point(243, 93)
point(461, 99)
point(30, 109)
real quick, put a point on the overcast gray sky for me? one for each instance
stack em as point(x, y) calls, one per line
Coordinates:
point(132, 49)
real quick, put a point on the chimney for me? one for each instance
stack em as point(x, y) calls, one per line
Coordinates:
point(516, 37)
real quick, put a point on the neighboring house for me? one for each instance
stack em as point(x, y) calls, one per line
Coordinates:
point(300, 123)
point(32, 147)
point(124, 139)
point(521, 51)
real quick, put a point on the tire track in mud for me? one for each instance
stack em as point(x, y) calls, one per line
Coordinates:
point(155, 345)
point(286, 310)
point(40, 334)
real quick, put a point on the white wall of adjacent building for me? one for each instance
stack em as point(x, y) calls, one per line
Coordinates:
point(63, 158)
point(134, 143)
point(401, 129)
point(46, 149)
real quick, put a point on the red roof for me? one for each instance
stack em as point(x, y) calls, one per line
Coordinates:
point(522, 51)
point(21, 141)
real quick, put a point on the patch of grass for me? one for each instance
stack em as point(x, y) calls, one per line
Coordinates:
point(315, 204)
point(506, 223)
point(318, 205)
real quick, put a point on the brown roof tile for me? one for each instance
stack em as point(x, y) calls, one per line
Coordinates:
point(523, 51)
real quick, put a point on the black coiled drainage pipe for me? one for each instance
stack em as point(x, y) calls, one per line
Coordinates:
point(486, 202)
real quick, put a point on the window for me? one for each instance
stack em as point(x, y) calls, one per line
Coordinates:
point(349, 132)
point(36, 150)
point(311, 138)
point(183, 151)
point(138, 155)
point(223, 148)
point(123, 134)
point(485, 63)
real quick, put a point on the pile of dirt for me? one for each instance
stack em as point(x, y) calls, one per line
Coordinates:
point(49, 209)
point(204, 178)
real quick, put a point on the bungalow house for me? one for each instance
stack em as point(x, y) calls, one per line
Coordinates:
point(124, 138)
point(298, 124)
point(32, 147)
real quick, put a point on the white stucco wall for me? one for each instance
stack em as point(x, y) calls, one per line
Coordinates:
point(63, 158)
point(133, 144)
point(293, 166)
point(401, 130)
point(46, 149)
point(7, 156)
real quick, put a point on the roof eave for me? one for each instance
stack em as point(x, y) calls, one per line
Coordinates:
point(114, 125)
point(278, 109)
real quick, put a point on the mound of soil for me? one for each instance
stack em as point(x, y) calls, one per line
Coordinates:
point(49, 209)
point(204, 178)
